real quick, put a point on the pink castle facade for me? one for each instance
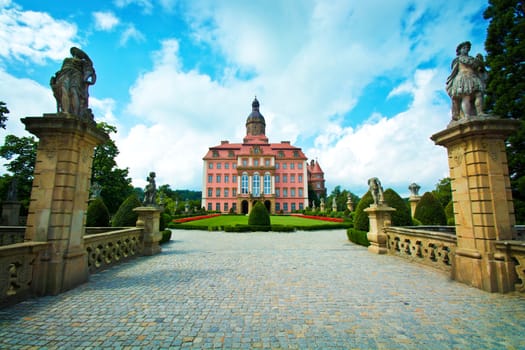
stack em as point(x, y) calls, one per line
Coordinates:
point(237, 175)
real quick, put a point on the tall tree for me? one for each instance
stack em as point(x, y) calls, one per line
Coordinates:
point(3, 116)
point(115, 183)
point(443, 191)
point(21, 152)
point(505, 46)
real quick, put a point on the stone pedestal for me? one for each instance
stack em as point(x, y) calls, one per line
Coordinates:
point(11, 213)
point(379, 216)
point(149, 221)
point(413, 200)
point(481, 193)
point(59, 198)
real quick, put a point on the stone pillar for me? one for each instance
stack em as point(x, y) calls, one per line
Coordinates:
point(413, 200)
point(482, 197)
point(379, 216)
point(11, 213)
point(59, 198)
point(149, 221)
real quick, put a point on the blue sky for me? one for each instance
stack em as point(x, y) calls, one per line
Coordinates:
point(359, 85)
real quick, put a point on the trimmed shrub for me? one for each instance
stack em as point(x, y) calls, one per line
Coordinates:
point(166, 236)
point(429, 211)
point(400, 217)
point(97, 214)
point(357, 237)
point(259, 216)
point(361, 218)
point(449, 212)
point(125, 216)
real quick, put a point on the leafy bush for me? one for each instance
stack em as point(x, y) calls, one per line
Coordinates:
point(97, 214)
point(357, 237)
point(400, 217)
point(361, 218)
point(429, 211)
point(125, 216)
point(449, 212)
point(166, 236)
point(259, 216)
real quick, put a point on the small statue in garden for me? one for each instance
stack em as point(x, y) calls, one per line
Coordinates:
point(376, 190)
point(466, 83)
point(70, 84)
point(150, 192)
point(414, 189)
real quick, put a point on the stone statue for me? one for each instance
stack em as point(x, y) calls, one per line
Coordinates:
point(150, 192)
point(334, 204)
point(12, 191)
point(70, 84)
point(466, 83)
point(414, 189)
point(376, 190)
point(95, 190)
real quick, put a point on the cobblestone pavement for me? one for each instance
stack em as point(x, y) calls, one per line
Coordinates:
point(303, 290)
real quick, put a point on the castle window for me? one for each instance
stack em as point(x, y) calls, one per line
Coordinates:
point(292, 165)
point(292, 192)
point(244, 183)
point(226, 165)
point(210, 165)
point(281, 154)
point(300, 192)
point(217, 192)
point(256, 185)
point(210, 179)
point(210, 192)
point(299, 178)
point(226, 192)
point(226, 179)
point(218, 165)
point(230, 153)
point(293, 207)
point(256, 162)
point(215, 154)
point(267, 184)
point(299, 165)
point(267, 162)
point(296, 154)
point(225, 206)
point(244, 162)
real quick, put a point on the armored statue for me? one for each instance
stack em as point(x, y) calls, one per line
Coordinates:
point(466, 83)
point(70, 84)
point(374, 185)
point(150, 192)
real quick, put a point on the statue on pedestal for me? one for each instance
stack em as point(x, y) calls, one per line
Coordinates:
point(70, 84)
point(414, 189)
point(374, 185)
point(150, 192)
point(466, 83)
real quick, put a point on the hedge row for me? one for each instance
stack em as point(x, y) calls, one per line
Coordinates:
point(357, 237)
point(263, 228)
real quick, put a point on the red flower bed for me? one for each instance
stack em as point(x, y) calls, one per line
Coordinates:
point(193, 218)
point(323, 218)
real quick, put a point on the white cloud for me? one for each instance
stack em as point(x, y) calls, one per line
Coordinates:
point(105, 20)
point(34, 36)
point(16, 93)
point(397, 150)
point(131, 33)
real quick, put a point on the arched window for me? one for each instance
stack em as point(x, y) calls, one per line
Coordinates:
point(244, 183)
point(256, 184)
point(267, 183)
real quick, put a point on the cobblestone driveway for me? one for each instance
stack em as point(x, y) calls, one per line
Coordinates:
point(269, 291)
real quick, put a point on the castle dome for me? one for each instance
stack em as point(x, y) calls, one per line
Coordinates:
point(255, 123)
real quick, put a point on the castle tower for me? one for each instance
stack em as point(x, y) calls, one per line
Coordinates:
point(255, 124)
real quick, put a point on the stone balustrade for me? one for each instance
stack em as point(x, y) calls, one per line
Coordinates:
point(432, 248)
point(11, 234)
point(516, 251)
point(109, 248)
point(16, 275)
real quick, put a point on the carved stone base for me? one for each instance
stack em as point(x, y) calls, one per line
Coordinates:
point(149, 221)
point(379, 216)
point(483, 272)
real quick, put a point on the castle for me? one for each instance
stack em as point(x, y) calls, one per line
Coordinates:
point(237, 175)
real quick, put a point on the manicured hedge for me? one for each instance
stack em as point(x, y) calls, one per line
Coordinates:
point(400, 217)
point(166, 236)
point(259, 216)
point(429, 211)
point(97, 214)
point(125, 216)
point(361, 218)
point(357, 237)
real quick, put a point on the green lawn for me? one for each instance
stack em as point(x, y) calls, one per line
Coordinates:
point(232, 220)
